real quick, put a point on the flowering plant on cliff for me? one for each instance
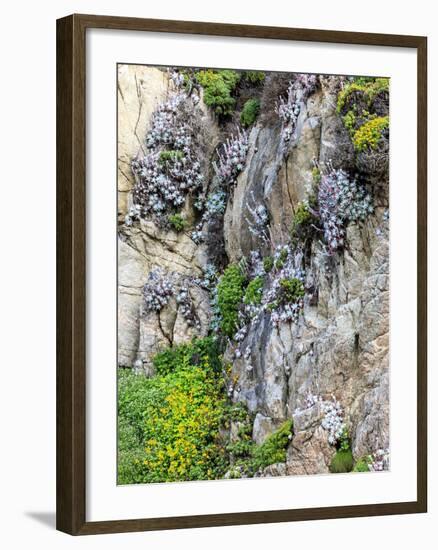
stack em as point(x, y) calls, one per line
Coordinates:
point(232, 158)
point(156, 291)
point(341, 200)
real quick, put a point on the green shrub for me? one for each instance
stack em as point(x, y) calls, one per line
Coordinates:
point(370, 133)
point(368, 88)
point(254, 291)
point(362, 465)
point(200, 351)
point(268, 263)
point(291, 290)
point(302, 224)
point(279, 262)
point(230, 291)
point(218, 87)
point(250, 112)
point(273, 449)
point(342, 462)
point(170, 156)
point(168, 426)
point(316, 175)
point(177, 222)
point(254, 77)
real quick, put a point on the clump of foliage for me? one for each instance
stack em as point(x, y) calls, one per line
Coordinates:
point(170, 169)
point(250, 112)
point(169, 425)
point(280, 257)
point(248, 458)
point(230, 292)
point(232, 158)
point(170, 156)
point(273, 449)
point(364, 106)
point(341, 200)
point(303, 223)
point(178, 222)
point(316, 175)
point(342, 462)
point(362, 465)
point(361, 91)
point(291, 290)
point(254, 77)
point(370, 133)
point(157, 291)
point(186, 306)
point(193, 353)
point(218, 87)
point(254, 291)
point(268, 263)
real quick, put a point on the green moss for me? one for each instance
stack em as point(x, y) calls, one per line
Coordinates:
point(279, 262)
point(230, 291)
point(250, 112)
point(268, 263)
point(362, 465)
point(368, 89)
point(218, 87)
point(254, 291)
point(291, 290)
point(273, 449)
point(369, 134)
point(316, 175)
point(170, 156)
point(302, 224)
point(193, 353)
point(177, 222)
point(254, 77)
point(342, 462)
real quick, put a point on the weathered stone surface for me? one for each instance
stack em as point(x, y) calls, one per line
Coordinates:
point(139, 91)
point(144, 246)
point(340, 344)
point(263, 426)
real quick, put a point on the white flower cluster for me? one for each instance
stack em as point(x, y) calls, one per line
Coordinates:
point(177, 78)
point(333, 421)
point(197, 235)
point(215, 204)
point(341, 200)
point(165, 128)
point(133, 214)
point(163, 185)
point(232, 158)
point(157, 291)
point(283, 310)
point(379, 461)
point(258, 224)
point(165, 175)
point(185, 305)
point(256, 268)
point(288, 109)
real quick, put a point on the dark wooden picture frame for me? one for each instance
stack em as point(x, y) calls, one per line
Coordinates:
point(71, 272)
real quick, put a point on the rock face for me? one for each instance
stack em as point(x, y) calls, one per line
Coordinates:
point(340, 345)
point(145, 246)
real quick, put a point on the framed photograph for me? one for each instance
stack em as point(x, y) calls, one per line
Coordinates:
point(241, 274)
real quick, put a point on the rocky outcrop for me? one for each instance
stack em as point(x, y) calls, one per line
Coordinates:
point(146, 246)
point(340, 344)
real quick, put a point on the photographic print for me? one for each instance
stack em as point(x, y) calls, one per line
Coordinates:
point(253, 274)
